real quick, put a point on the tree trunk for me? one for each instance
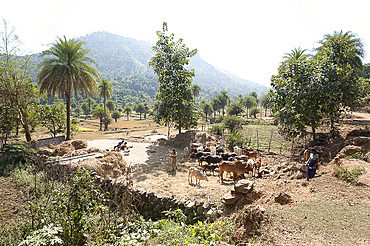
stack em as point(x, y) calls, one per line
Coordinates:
point(105, 117)
point(68, 106)
point(26, 127)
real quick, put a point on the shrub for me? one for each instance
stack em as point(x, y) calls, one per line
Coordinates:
point(236, 139)
point(217, 130)
point(232, 122)
point(350, 176)
point(16, 155)
point(359, 156)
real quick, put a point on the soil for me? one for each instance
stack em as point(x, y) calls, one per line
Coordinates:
point(151, 170)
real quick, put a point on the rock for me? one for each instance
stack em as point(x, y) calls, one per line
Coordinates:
point(229, 199)
point(244, 186)
point(283, 198)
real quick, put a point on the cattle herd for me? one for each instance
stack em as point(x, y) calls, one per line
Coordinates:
point(238, 162)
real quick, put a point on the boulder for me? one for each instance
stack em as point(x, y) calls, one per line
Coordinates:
point(244, 186)
point(230, 199)
point(283, 198)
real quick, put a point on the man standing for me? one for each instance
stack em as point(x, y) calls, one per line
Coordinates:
point(173, 159)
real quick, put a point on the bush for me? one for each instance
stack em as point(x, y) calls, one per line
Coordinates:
point(217, 130)
point(359, 156)
point(236, 139)
point(16, 155)
point(232, 122)
point(350, 176)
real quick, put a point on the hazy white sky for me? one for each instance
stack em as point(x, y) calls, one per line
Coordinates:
point(247, 38)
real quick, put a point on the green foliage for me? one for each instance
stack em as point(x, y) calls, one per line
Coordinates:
point(254, 111)
point(232, 122)
point(359, 156)
point(175, 97)
point(66, 70)
point(308, 88)
point(211, 232)
point(48, 235)
point(15, 155)
point(236, 139)
point(18, 96)
point(350, 176)
point(217, 129)
point(53, 118)
point(235, 108)
point(116, 115)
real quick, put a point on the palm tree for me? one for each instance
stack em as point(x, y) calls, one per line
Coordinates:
point(66, 70)
point(295, 54)
point(127, 110)
point(98, 112)
point(105, 91)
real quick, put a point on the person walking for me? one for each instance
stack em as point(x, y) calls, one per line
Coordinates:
point(313, 162)
point(173, 157)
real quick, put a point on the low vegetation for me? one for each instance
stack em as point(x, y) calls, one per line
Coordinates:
point(350, 176)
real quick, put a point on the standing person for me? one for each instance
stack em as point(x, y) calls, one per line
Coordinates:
point(173, 159)
point(313, 162)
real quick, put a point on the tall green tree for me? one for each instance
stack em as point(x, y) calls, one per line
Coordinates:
point(206, 107)
point(196, 90)
point(235, 108)
point(127, 109)
point(100, 113)
point(105, 91)
point(297, 96)
point(224, 100)
point(341, 67)
point(66, 69)
point(53, 118)
point(18, 97)
point(175, 97)
point(249, 102)
point(139, 108)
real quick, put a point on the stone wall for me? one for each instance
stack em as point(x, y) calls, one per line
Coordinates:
point(151, 206)
point(48, 141)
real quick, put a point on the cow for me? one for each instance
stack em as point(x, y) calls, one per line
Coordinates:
point(197, 174)
point(199, 155)
point(252, 155)
point(235, 167)
point(257, 165)
point(226, 156)
point(186, 152)
point(194, 146)
point(211, 159)
point(219, 149)
point(210, 168)
point(238, 150)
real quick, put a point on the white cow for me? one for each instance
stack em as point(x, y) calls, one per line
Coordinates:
point(197, 174)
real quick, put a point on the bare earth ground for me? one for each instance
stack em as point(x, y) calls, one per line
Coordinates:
point(324, 211)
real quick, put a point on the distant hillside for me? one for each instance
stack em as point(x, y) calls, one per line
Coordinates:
point(119, 57)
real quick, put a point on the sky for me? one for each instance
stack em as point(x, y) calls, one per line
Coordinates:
point(245, 37)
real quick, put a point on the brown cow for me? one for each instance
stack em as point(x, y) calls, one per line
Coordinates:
point(235, 167)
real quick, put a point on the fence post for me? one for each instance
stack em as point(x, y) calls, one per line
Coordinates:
point(272, 132)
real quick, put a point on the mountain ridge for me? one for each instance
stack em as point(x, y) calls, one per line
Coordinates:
point(119, 57)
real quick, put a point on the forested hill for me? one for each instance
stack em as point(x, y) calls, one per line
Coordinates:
point(119, 57)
